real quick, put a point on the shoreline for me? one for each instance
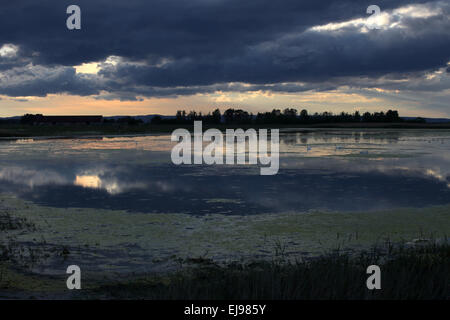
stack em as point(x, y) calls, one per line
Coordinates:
point(109, 131)
point(201, 276)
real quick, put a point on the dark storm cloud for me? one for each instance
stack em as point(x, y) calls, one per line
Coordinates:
point(139, 28)
point(40, 81)
point(186, 47)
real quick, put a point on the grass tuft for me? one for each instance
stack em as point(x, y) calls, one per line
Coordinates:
point(417, 272)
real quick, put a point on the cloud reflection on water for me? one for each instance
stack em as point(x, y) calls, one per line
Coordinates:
point(370, 170)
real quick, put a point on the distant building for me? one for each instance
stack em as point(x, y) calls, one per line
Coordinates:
point(65, 120)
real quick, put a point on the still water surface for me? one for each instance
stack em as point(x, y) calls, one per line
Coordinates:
point(330, 170)
point(120, 205)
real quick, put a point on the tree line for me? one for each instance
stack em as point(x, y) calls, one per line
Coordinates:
point(239, 116)
point(286, 116)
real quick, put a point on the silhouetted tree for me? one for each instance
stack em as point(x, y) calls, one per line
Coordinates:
point(216, 116)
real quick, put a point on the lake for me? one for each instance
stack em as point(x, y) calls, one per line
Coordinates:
point(119, 204)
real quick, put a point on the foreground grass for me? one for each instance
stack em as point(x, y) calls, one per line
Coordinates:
point(421, 272)
point(416, 270)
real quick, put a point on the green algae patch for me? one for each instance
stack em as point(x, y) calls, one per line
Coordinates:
point(120, 241)
point(14, 280)
point(328, 230)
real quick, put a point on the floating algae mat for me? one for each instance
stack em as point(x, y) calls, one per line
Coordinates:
point(114, 241)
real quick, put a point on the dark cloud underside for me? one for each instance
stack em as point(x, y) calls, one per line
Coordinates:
point(186, 47)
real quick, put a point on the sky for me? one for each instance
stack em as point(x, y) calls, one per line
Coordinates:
point(139, 57)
